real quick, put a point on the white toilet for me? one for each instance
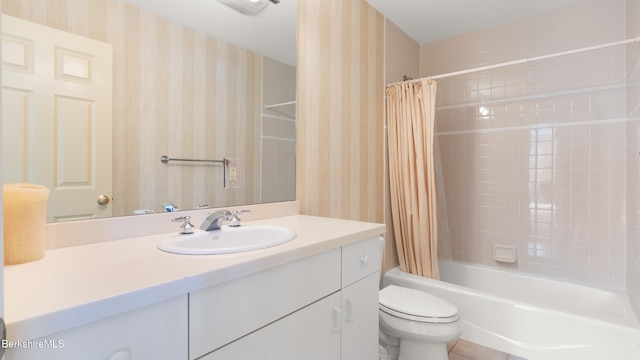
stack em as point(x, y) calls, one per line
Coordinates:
point(415, 325)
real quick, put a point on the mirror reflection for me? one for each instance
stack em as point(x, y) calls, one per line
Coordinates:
point(96, 92)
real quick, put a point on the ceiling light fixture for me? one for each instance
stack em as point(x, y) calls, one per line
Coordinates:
point(248, 7)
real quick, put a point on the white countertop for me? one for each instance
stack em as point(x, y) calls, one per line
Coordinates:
point(76, 285)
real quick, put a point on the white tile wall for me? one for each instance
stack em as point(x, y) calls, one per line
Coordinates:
point(633, 157)
point(535, 155)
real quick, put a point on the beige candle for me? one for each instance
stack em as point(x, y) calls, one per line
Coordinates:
point(25, 216)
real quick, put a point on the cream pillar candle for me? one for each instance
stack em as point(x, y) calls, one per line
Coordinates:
point(25, 216)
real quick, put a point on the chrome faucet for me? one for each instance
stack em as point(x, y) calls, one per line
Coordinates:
point(235, 220)
point(214, 220)
point(186, 227)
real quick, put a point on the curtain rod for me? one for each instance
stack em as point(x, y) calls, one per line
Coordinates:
point(535, 58)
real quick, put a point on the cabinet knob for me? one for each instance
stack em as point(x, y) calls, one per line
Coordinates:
point(121, 354)
point(364, 259)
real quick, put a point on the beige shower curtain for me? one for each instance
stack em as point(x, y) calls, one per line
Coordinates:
point(410, 126)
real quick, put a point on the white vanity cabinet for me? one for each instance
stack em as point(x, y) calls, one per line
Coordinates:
point(313, 298)
point(323, 307)
point(221, 314)
point(158, 331)
point(360, 284)
point(310, 333)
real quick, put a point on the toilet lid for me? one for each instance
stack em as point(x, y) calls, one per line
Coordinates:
point(416, 305)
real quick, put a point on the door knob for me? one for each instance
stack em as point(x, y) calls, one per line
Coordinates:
point(103, 200)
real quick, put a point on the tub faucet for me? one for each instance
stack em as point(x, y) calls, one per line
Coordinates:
point(214, 220)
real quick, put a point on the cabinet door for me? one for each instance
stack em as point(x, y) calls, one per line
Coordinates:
point(154, 332)
point(311, 333)
point(221, 314)
point(360, 319)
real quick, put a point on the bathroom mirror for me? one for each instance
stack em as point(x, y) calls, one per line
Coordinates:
point(190, 80)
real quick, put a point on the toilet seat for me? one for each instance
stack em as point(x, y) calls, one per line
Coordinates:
point(416, 305)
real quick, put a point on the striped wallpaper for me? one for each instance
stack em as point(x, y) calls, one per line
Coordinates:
point(340, 168)
point(340, 133)
point(177, 92)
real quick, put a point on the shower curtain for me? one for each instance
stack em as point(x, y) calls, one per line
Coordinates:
point(412, 180)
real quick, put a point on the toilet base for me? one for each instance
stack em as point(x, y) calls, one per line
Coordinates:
point(421, 350)
point(417, 340)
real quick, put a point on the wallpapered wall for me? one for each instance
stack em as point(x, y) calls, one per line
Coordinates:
point(176, 92)
point(340, 168)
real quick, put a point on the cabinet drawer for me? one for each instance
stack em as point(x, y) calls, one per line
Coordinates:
point(360, 259)
point(223, 313)
point(157, 331)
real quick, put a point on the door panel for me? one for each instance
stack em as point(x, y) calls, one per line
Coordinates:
point(57, 109)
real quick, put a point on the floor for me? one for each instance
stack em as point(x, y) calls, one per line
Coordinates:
point(465, 350)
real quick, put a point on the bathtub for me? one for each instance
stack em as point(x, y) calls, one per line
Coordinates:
point(532, 317)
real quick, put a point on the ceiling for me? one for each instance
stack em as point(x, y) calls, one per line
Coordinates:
point(429, 20)
point(272, 32)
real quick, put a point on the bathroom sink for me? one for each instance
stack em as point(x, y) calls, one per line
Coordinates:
point(227, 240)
